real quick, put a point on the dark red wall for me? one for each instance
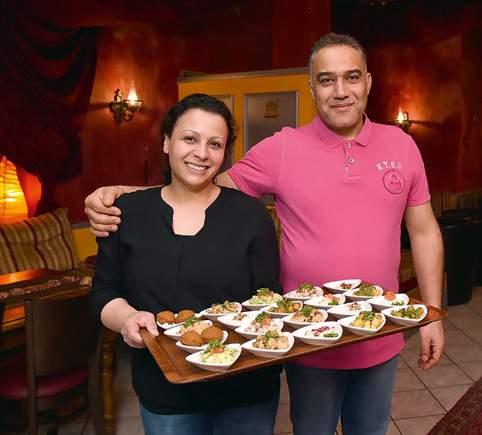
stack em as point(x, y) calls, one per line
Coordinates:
point(425, 58)
point(129, 153)
point(249, 35)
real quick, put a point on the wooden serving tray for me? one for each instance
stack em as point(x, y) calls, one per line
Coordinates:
point(177, 370)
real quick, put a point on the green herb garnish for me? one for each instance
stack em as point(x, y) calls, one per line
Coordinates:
point(306, 311)
point(190, 321)
point(305, 286)
point(367, 315)
point(268, 335)
point(261, 316)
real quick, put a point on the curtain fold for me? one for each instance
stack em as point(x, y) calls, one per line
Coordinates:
point(46, 78)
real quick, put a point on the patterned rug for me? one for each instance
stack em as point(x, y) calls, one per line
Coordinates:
point(465, 418)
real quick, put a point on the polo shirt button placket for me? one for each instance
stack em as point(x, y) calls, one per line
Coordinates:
point(351, 160)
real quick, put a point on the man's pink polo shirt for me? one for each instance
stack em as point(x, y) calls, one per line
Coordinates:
point(340, 203)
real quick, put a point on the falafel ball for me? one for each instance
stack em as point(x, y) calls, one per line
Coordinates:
point(165, 317)
point(184, 315)
point(211, 333)
point(191, 338)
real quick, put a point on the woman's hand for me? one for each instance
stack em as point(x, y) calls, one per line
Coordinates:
point(132, 325)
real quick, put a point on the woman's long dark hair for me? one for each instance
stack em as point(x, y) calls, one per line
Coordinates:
point(208, 104)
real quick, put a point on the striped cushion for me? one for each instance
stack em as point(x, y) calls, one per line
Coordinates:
point(44, 241)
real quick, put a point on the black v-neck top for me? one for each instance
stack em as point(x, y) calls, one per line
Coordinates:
point(154, 269)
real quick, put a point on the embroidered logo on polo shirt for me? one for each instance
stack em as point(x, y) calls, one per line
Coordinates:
point(394, 181)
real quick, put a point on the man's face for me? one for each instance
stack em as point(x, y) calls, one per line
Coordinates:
point(340, 85)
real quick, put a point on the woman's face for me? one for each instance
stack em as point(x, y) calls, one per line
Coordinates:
point(196, 147)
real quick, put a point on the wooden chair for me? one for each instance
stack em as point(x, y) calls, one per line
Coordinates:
point(60, 377)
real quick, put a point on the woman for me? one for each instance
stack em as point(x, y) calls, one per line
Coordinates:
point(187, 245)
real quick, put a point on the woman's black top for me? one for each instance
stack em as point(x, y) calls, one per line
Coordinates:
point(154, 269)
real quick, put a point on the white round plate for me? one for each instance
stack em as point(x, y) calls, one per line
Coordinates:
point(322, 301)
point(300, 334)
point(192, 349)
point(175, 333)
point(404, 320)
point(349, 309)
point(228, 319)
point(293, 295)
point(381, 303)
point(267, 353)
point(345, 322)
point(350, 294)
point(294, 324)
point(278, 315)
point(213, 317)
point(241, 330)
point(336, 285)
point(194, 358)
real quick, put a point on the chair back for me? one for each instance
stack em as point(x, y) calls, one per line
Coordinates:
point(61, 334)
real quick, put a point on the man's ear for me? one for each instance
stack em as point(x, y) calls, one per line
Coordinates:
point(165, 145)
point(311, 89)
point(369, 82)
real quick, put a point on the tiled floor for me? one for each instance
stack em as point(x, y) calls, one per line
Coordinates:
point(420, 398)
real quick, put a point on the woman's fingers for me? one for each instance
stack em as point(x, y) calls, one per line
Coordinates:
point(130, 331)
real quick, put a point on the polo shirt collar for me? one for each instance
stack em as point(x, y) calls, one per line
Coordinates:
point(331, 139)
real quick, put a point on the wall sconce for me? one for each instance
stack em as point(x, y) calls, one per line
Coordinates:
point(124, 109)
point(403, 121)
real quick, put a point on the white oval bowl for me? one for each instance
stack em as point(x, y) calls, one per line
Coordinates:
point(341, 311)
point(211, 316)
point(345, 322)
point(403, 320)
point(267, 353)
point(322, 302)
point(293, 294)
point(294, 324)
point(241, 330)
point(176, 335)
point(299, 334)
point(335, 285)
point(279, 315)
point(172, 325)
point(380, 303)
point(192, 349)
point(194, 358)
point(350, 294)
point(228, 321)
point(246, 304)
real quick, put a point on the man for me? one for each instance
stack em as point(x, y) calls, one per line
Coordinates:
point(342, 185)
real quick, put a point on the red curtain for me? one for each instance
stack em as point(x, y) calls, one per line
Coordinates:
point(46, 78)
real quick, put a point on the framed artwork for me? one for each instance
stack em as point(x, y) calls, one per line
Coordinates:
point(267, 113)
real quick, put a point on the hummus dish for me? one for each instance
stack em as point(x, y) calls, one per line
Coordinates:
point(264, 296)
point(218, 353)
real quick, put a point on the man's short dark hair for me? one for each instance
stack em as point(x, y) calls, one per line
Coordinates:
point(331, 39)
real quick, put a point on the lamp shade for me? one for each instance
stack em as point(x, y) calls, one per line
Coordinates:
point(13, 206)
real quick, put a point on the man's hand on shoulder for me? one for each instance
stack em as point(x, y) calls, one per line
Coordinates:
point(103, 216)
point(432, 342)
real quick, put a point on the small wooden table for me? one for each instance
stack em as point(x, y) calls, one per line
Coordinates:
point(12, 333)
